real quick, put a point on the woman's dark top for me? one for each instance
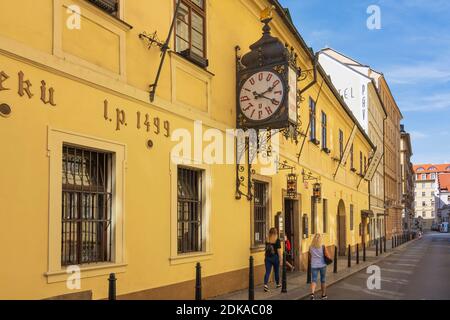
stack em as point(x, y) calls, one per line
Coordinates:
point(272, 248)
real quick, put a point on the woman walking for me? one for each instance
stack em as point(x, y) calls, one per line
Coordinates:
point(272, 258)
point(319, 256)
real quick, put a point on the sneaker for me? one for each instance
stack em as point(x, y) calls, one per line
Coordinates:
point(266, 288)
point(312, 297)
point(278, 286)
point(324, 297)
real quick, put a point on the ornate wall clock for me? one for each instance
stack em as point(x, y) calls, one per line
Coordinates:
point(267, 78)
point(262, 95)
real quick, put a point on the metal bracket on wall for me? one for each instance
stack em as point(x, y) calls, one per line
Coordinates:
point(308, 176)
point(164, 47)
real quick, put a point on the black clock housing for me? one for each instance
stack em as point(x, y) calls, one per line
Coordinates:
point(269, 54)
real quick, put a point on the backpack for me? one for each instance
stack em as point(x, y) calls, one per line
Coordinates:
point(270, 250)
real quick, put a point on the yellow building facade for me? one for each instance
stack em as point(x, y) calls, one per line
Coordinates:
point(89, 180)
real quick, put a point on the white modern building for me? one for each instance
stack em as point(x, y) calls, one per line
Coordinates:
point(356, 84)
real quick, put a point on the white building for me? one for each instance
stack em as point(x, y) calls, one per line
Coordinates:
point(443, 198)
point(429, 193)
point(356, 84)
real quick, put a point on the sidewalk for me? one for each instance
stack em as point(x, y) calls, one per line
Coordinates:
point(296, 282)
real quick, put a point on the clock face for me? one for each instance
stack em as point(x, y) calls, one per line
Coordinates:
point(261, 95)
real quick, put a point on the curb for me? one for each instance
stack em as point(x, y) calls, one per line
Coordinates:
point(356, 270)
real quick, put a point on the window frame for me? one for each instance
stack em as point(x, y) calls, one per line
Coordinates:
point(266, 221)
point(193, 57)
point(341, 144)
point(199, 245)
point(78, 219)
point(313, 215)
point(324, 122)
point(352, 159)
point(176, 258)
point(312, 120)
point(352, 217)
point(56, 272)
point(325, 215)
point(360, 163)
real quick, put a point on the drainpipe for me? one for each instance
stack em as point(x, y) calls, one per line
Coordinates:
point(314, 63)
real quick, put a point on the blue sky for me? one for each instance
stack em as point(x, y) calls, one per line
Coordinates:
point(412, 49)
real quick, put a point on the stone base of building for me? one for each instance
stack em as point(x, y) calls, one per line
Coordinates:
point(212, 286)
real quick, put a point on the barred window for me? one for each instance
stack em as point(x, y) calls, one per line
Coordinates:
point(324, 130)
point(360, 163)
point(352, 160)
point(313, 215)
point(86, 206)
point(325, 215)
point(312, 119)
point(109, 6)
point(260, 212)
point(351, 217)
point(190, 210)
point(341, 144)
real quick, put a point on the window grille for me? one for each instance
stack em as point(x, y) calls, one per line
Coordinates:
point(86, 206)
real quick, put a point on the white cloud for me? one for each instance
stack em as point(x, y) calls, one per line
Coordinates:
point(437, 101)
point(418, 135)
point(418, 73)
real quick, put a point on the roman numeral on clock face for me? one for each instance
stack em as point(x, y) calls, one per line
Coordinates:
point(261, 95)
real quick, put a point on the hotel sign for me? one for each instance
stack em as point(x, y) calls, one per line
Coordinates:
point(373, 165)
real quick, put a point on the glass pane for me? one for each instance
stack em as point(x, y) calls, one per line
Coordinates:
point(198, 3)
point(197, 22)
point(181, 45)
point(197, 40)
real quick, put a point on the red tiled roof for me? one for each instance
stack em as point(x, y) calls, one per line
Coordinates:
point(445, 167)
point(444, 181)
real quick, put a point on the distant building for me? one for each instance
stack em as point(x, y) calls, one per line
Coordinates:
point(360, 92)
point(427, 191)
point(443, 198)
point(407, 173)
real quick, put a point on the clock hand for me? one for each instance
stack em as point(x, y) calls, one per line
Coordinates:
point(270, 89)
point(272, 100)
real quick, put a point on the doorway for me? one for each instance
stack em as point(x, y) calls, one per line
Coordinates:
point(341, 229)
point(292, 227)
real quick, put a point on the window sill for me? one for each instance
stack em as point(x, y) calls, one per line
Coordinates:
point(315, 142)
point(257, 249)
point(184, 59)
point(86, 272)
point(189, 258)
point(112, 18)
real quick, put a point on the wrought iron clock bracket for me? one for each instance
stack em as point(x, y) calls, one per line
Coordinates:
point(305, 73)
point(240, 182)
